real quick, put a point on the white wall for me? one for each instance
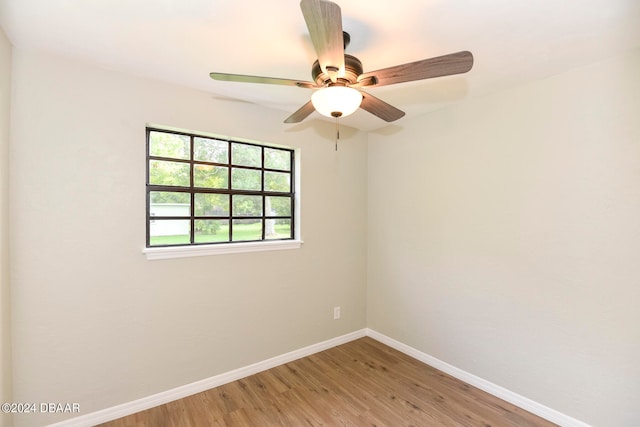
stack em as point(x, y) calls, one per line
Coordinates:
point(5, 301)
point(94, 322)
point(504, 239)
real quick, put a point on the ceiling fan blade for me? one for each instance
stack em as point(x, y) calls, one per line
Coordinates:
point(324, 22)
point(302, 113)
point(378, 107)
point(446, 65)
point(257, 79)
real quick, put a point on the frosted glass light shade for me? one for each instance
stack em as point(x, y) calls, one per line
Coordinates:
point(336, 101)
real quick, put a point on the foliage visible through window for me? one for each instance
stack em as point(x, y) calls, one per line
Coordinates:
point(203, 190)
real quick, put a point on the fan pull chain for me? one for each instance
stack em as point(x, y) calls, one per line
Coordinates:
point(337, 131)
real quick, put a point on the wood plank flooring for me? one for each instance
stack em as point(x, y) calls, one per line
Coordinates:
point(361, 383)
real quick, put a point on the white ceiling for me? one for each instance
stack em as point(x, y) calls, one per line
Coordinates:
point(181, 41)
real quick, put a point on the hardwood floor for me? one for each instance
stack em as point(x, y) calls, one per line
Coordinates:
point(361, 383)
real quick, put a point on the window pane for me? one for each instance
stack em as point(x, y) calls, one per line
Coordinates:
point(277, 229)
point(247, 229)
point(277, 206)
point(277, 159)
point(211, 204)
point(208, 176)
point(169, 145)
point(203, 189)
point(169, 232)
point(211, 230)
point(246, 179)
point(169, 173)
point(247, 206)
point(246, 155)
point(277, 181)
point(210, 150)
point(166, 203)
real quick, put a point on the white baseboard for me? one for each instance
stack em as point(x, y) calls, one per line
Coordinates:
point(154, 400)
point(491, 388)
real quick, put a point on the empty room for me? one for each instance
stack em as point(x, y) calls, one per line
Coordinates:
point(350, 213)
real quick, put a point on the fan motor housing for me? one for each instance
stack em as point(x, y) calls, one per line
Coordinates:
point(352, 69)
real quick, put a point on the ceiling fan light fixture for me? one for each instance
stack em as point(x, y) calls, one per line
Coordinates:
point(334, 72)
point(336, 101)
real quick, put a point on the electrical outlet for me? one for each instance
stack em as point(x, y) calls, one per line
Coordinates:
point(336, 313)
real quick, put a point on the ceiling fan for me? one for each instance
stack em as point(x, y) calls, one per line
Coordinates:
point(339, 77)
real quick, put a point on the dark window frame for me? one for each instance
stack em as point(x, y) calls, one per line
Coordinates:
point(193, 190)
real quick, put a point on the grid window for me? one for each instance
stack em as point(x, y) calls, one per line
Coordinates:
point(203, 190)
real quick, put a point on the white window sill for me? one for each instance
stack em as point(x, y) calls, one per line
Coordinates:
point(219, 249)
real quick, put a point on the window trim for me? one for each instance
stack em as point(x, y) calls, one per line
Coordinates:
point(204, 249)
point(168, 252)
